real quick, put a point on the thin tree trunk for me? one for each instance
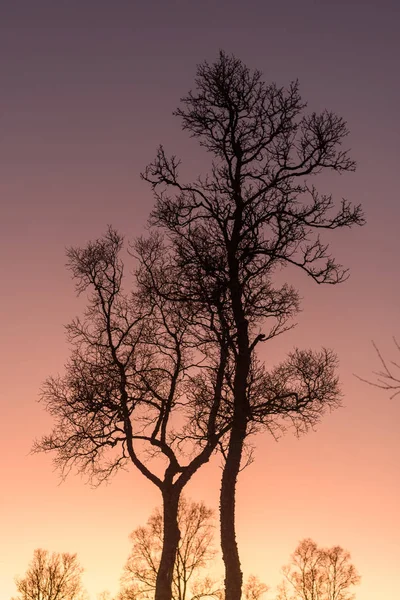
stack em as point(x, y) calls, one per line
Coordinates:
point(172, 536)
point(229, 547)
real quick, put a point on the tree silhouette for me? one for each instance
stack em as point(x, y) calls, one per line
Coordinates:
point(318, 574)
point(51, 577)
point(195, 552)
point(254, 589)
point(130, 387)
point(231, 231)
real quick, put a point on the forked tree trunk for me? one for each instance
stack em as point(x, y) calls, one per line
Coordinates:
point(170, 546)
point(230, 552)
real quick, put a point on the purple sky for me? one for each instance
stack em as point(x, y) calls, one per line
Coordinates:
point(87, 92)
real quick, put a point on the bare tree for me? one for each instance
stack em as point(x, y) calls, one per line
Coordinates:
point(51, 577)
point(134, 360)
point(195, 553)
point(254, 589)
point(318, 574)
point(231, 231)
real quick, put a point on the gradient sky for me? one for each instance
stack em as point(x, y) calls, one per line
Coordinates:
point(87, 92)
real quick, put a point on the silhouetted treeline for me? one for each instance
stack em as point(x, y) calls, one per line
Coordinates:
point(313, 573)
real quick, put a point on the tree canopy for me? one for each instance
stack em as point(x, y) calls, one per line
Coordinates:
point(51, 577)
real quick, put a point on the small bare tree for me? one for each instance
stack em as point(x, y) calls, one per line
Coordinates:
point(51, 577)
point(318, 574)
point(232, 230)
point(194, 555)
point(254, 589)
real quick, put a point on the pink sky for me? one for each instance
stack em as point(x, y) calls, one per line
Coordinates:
point(87, 94)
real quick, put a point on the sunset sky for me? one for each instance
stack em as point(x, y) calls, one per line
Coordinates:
point(86, 95)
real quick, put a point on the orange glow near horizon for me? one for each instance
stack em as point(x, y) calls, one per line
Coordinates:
point(87, 96)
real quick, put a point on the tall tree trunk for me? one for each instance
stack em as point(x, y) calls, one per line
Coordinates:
point(230, 552)
point(172, 536)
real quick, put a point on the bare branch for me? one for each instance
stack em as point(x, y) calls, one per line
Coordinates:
point(387, 378)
